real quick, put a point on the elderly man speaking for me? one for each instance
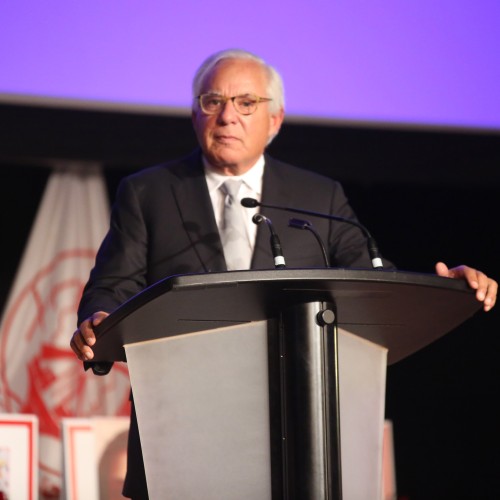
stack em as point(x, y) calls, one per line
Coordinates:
point(184, 216)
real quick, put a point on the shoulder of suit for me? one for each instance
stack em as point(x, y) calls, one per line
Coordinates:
point(190, 165)
point(290, 172)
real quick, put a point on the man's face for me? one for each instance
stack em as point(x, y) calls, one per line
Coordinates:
point(230, 141)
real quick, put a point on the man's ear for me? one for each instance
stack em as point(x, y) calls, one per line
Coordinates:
point(276, 120)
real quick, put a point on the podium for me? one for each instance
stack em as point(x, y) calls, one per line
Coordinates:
point(271, 384)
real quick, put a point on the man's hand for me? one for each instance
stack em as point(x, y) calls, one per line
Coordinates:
point(486, 288)
point(84, 337)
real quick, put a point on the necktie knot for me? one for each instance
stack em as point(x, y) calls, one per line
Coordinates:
point(231, 188)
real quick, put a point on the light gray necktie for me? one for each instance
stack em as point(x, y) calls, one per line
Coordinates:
point(237, 251)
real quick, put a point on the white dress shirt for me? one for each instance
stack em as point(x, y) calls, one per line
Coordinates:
point(250, 188)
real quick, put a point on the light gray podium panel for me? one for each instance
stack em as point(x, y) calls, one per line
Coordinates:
point(362, 376)
point(202, 403)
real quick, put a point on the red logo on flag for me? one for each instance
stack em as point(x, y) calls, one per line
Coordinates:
point(39, 373)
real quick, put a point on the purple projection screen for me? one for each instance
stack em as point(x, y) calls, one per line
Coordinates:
point(423, 62)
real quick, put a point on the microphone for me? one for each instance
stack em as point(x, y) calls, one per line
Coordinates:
point(372, 246)
point(305, 224)
point(279, 260)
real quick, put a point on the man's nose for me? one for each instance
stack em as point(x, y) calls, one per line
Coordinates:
point(228, 112)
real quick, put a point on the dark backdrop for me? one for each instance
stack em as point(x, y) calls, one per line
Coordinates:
point(425, 195)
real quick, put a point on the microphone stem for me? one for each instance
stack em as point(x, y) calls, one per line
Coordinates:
point(322, 216)
point(279, 259)
point(323, 250)
point(372, 246)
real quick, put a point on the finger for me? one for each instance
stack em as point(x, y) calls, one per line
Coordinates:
point(80, 347)
point(442, 269)
point(476, 280)
point(87, 326)
point(491, 295)
point(486, 288)
point(458, 272)
point(97, 317)
point(480, 282)
point(79, 340)
point(74, 346)
point(87, 332)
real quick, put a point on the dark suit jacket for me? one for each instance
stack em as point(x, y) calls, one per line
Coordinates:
point(162, 224)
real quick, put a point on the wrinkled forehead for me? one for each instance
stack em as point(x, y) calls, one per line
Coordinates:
point(236, 77)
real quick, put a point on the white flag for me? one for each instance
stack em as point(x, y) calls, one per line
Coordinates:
point(38, 371)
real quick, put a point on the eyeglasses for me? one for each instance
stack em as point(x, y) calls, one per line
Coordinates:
point(212, 104)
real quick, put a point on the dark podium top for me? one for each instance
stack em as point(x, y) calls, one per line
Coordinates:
point(401, 311)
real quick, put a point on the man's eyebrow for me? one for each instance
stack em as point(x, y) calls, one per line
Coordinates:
point(217, 92)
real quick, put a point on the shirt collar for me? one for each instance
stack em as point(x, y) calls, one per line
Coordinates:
point(252, 177)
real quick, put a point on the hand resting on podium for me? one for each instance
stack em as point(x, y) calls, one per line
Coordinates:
point(486, 288)
point(84, 337)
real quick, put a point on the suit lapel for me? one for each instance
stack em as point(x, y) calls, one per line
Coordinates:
point(195, 209)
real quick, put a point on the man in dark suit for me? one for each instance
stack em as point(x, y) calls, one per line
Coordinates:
point(169, 219)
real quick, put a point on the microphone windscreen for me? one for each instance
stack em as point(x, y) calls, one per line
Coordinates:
point(249, 202)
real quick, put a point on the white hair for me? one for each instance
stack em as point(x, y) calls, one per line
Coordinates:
point(274, 81)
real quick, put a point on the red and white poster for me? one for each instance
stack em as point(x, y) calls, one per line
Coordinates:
point(39, 374)
point(18, 455)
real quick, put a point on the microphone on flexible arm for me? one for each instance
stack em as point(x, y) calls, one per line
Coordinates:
point(371, 244)
point(279, 259)
point(305, 224)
